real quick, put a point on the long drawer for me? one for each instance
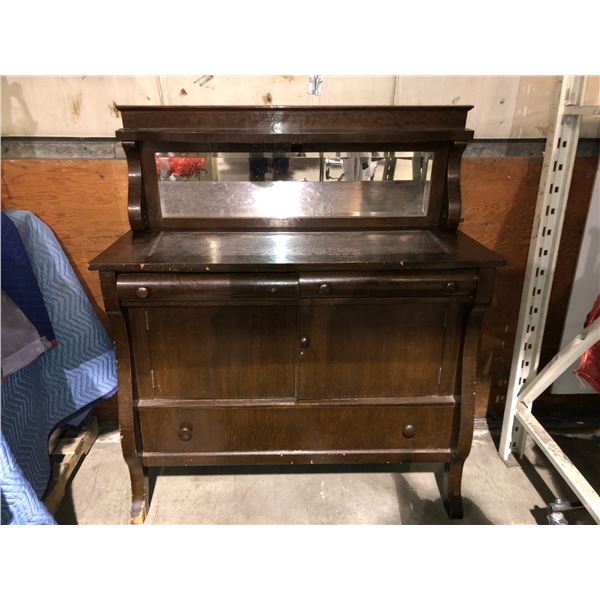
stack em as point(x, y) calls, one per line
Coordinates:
point(295, 427)
point(388, 284)
point(148, 287)
point(136, 287)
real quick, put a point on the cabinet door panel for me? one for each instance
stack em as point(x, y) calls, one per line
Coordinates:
point(222, 351)
point(371, 350)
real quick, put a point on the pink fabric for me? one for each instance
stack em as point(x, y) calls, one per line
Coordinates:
point(589, 366)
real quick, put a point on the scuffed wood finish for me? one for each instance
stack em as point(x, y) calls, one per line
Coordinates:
point(387, 284)
point(296, 427)
point(136, 202)
point(298, 340)
point(161, 288)
point(131, 441)
point(359, 250)
point(468, 380)
point(294, 457)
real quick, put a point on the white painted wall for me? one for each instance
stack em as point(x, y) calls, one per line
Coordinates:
point(505, 107)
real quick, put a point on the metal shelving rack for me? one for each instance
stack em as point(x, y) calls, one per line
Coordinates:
point(524, 385)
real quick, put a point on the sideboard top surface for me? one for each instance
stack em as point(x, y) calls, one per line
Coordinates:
point(200, 251)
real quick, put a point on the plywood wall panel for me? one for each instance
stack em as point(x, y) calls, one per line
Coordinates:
point(499, 198)
point(84, 202)
point(505, 107)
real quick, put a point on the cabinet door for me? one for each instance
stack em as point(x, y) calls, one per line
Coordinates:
point(222, 351)
point(370, 350)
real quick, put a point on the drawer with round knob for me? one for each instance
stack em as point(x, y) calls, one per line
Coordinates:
point(212, 427)
point(388, 284)
point(151, 288)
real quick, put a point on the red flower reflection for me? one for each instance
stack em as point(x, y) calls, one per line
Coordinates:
point(180, 166)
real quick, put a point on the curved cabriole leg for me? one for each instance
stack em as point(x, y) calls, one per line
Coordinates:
point(468, 379)
point(130, 437)
point(139, 491)
point(451, 492)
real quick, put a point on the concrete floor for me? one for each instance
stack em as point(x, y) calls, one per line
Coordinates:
point(493, 493)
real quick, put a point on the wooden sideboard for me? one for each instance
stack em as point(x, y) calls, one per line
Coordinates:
point(294, 290)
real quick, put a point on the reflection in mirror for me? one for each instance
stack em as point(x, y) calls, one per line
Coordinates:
point(391, 184)
point(306, 166)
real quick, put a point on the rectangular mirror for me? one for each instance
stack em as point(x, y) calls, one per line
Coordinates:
point(290, 185)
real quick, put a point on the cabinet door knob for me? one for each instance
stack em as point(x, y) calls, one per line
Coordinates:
point(324, 288)
point(452, 286)
point(304, 342)
point(185, 432)
point(409, 431)
point(142, 292)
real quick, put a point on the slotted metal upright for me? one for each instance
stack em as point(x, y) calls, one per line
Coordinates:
point(524, 386)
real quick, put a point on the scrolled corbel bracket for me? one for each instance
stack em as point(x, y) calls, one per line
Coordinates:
point(136, 200)
point(451, 206)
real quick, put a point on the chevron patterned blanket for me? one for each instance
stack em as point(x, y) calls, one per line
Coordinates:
point(59, 387)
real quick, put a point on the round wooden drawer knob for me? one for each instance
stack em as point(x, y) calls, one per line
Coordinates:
point(185, 432)
point(324, 288)
point(452, 286)
point(409, 431)
point(142, 292)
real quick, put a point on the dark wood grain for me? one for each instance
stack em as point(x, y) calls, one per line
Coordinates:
point(136, 202)
point(222, 352)
point(131, 441)
point(370, 350)
point(466, 407)
point(273, 121)
point(296, 428)
point(450, 214)
point(148, 130)
point(159, 288)
point(498, 200)
point(186, 251)
point(300, 338)
point(387, 284)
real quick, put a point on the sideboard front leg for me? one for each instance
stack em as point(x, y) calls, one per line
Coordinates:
point(452, 489)
point(128, 426)
point(139, 491)
point(468, 379)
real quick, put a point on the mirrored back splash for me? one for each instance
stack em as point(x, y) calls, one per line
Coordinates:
point(290, 185)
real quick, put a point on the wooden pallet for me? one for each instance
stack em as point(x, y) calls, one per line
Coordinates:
point(67, 451)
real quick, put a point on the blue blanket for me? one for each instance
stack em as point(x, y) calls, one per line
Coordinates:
point(56, 389)
point(19, 280)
